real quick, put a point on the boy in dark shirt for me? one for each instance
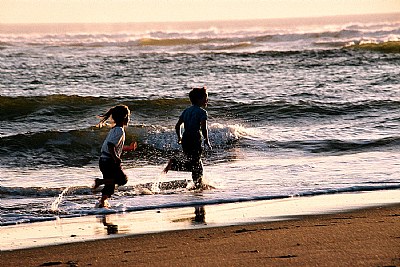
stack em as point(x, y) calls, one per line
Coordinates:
point(194, 120)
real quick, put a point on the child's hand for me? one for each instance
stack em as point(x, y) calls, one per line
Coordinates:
point(131, 147)
point(179, 140)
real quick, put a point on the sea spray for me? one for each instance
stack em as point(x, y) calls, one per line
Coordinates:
point(155, 187)
point(58, 200)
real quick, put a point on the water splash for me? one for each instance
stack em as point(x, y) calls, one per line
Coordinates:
point(58, 200)
point(155, 187)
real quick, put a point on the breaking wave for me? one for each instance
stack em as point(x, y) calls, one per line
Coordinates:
point(385, 47)
point(255, 35)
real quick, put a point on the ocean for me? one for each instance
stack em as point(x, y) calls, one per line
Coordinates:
point(297, 108)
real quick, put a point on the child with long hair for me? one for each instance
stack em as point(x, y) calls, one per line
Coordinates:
point(111, 150)
point(194, 120)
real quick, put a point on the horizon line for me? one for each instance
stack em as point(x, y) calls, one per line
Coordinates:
point(204, 21)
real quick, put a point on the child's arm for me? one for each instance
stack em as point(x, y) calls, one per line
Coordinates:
point(178, 130)
point(111, 149)
point(204, 131)
point(131, 147)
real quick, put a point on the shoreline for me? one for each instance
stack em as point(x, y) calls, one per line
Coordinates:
point(364, 237)
point(116, 225)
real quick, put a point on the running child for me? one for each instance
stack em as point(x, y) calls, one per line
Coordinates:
point(111, 150)
point(194, 120)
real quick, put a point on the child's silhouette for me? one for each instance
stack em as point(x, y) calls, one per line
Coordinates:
point(194, 120)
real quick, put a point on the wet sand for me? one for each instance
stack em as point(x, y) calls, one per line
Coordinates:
point(364, 237)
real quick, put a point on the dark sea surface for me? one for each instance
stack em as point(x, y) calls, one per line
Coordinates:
point(297, 108)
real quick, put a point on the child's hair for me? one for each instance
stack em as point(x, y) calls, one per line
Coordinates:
point(120, 114)
point(197, 93)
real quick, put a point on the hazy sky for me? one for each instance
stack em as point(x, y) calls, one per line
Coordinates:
point(53, 11)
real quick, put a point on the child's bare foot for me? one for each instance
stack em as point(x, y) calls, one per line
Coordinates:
point(103, 204)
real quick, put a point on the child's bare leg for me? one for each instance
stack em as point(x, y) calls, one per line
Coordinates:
point(98, 182)
point(175, 165)
point(168, 167)
point(103, 200)
point(197, 173)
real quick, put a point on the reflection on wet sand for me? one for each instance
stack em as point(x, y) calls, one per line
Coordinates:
point(200, 215)
point(111, 228)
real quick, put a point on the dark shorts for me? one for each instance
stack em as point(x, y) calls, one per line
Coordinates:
point(111, 171)
point(191, 145)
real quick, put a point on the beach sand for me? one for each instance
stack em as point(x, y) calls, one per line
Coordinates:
point(364, 237)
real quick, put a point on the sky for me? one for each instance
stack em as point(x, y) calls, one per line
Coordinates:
point(105, 11)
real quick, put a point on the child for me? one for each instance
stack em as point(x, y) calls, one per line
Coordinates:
point(111, 150)
point(194, 120)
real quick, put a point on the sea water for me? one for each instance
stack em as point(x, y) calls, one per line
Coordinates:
point(297, 107)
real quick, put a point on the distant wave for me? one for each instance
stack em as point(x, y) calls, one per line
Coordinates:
point(171, 42)
point(385, 47)
point(253, 38)
point(233, 46)
point(73, 105)
point(66, 106)
point(290, 109)
point(205, 43)
point(61, 108)
point(52, 104)
point(339, 146)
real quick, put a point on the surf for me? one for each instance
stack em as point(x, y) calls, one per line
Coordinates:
point(247, 36)
point(384, 47)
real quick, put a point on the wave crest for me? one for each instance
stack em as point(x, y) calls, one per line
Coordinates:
point(385, 47)
point(253, 36)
